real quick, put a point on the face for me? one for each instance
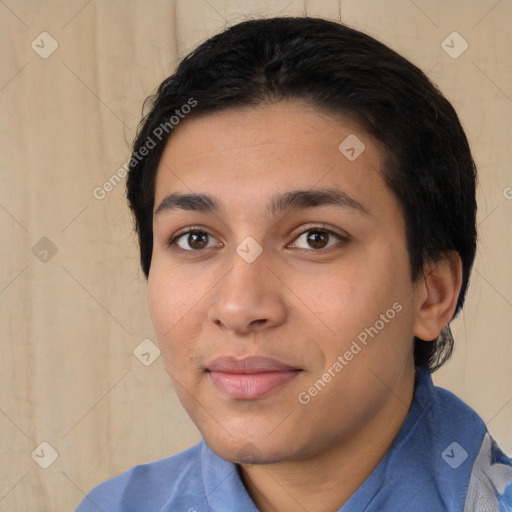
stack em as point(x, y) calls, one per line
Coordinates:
point(285, 317)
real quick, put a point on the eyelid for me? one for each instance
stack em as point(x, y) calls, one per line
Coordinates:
point(342, 238)
point(186, 231)
point(320, 227)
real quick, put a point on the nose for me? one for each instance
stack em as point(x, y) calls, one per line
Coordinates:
point(249, 298)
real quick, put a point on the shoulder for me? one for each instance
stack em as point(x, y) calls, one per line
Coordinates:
point(490, 487)
point(148, 486)
point(488, 483)
point(456, 410)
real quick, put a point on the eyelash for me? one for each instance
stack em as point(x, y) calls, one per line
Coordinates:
point(315, 228)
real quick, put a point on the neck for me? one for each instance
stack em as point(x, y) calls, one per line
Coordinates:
point(325, 482)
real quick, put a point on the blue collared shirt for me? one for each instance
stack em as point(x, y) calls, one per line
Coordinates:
point(443, 459)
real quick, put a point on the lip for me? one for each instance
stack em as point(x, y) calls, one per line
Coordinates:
point(249, 378)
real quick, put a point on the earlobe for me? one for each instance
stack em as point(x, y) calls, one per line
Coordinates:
point(437, 297)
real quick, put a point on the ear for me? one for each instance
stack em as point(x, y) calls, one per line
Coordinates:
point(438, 292)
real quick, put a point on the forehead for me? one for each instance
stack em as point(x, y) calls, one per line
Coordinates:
point(241, 154)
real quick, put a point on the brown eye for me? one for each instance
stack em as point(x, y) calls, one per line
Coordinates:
point(318, 239)
point(196, 240)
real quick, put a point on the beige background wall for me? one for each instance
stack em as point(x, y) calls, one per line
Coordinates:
point(72, 298)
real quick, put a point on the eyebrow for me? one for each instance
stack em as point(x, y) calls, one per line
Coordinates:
point(292, 200)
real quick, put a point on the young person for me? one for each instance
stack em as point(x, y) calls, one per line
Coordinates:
point(305, 204)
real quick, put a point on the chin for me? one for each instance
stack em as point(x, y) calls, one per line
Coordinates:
point(249, 450)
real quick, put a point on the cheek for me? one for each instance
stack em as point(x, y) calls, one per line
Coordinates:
point(173, 308)
point(347, 298)
point(163, 304)
point(363, 297)
point(173, 296)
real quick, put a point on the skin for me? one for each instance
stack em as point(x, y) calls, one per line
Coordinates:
point(298, 303)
